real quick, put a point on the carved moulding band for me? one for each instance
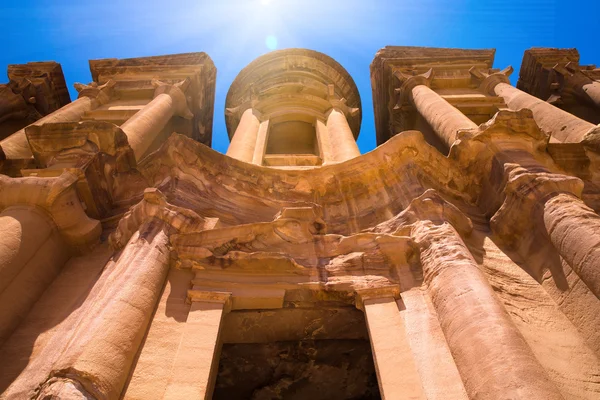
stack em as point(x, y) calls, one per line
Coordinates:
point(58, 197)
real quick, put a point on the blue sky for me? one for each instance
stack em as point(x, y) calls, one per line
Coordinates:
point(234, 32)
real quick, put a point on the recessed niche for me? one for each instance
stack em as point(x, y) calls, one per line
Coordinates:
point(312, 353)
point(292, 137)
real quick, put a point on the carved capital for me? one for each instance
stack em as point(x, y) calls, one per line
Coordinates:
point(391, 291)
point(524, 192)
point(101, 93)
point(49, 140)
point(58, 197)
point(155, 205)
point(489, 80)
point(430, 206)
point(340, 104)
point(177, 93)
point(408, 83)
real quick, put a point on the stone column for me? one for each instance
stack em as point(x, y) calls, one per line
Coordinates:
point(585, 89)
point(574, 230)
point(591, 89)
point(324, 141)
point(144, 127)
point(552, 200)
point(492, 357)
point(561, 125)
point(16, 145)
point(343, 145)
point(244, 139)
point(100, 352)
point(396, 371)
point(445, 119)
point(261, 143)
point(41, 224)
point(194, 371)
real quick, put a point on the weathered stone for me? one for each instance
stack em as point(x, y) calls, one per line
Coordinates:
point(457, 260)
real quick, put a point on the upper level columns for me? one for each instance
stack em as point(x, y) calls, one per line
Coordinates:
point(342, 142)
point(244, 139)
point(144, 127)
point(445, 119)
point(16, 145)
point(585, 89)
point(562, 126)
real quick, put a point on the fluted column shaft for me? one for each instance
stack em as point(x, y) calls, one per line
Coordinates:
point(105, 342)
point(492, 357)
point(16, 145)
point(574, 230)
point(244, 139)
point(563, 126)
point(341, 139)
point(445, 119)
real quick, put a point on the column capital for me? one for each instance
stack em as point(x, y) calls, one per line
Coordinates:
point(490, 79)
point(525, 192)
point(48, 140)
point(177, 93)
point(430, 206)
point(391, 291)
point(339, 103)
point(408, 82)
point(101, 93)
point(58, 197)
point(155, 205)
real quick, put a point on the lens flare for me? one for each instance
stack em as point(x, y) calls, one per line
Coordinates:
point(271, 42)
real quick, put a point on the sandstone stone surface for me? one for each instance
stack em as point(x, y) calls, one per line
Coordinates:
point(457, 260)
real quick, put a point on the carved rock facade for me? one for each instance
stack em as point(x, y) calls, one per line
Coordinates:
point(460, 259)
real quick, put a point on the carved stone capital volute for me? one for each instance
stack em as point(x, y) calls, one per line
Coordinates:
point(177, 93)
point(101, 93)
point(408, 83)
point(490, 80)
point(58, 197)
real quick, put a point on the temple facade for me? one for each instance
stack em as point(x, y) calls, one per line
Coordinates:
point(460, 259)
